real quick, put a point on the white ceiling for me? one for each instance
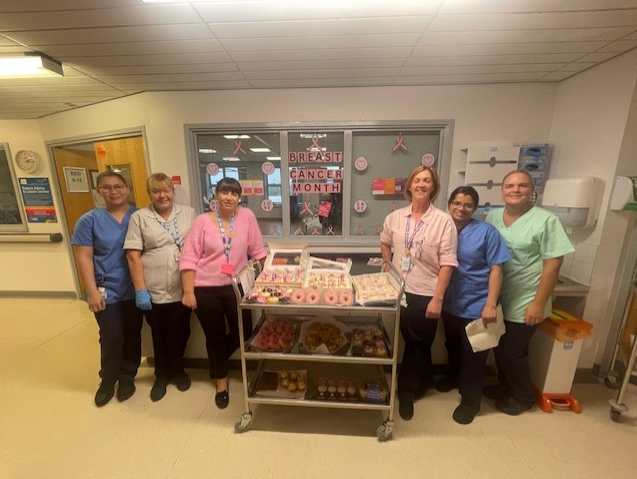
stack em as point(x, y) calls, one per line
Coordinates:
point(114, 48)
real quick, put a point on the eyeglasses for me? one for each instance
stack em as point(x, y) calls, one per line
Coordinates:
point(118, 188)
point(460, 204)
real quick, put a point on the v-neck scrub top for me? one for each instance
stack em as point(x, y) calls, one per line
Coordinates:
point(534, 237)
point(160, 254)
point(100, 230)
point(480, 247)
point(433, 246)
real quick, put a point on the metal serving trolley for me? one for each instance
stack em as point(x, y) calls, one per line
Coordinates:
point(626, 354)
point(317, 364)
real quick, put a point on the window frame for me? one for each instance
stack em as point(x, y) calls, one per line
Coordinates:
point(22, 227)
point(443, 127)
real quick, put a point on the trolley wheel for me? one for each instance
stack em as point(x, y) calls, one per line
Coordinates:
point(611, 382)
point(243, 424)
point(384, 431)
point(614, 414)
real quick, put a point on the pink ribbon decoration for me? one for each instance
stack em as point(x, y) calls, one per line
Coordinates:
point(275, 231)
point(299, 231)
point(237, 149)
point(315, 144)
point(393, 206)
point(359, 230)
point(307, 207)
point(378, 229)
point(330, 230)
point(399, 143)
point(316, 230)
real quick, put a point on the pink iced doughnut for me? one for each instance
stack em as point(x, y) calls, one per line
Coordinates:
point(313, 297)
point(330, 297)
point(298, 296)
point(346, 297)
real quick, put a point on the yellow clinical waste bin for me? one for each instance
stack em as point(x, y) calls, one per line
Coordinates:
point(553, 356)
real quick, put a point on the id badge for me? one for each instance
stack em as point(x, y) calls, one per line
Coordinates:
point(227, 268)
point(405, 263)
point(177, 256)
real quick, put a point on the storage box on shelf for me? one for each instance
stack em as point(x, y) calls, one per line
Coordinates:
point(345, 344)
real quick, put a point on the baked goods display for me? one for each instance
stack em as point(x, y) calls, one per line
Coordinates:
point(323, 337)
point(375, 288)
point(283, 384)
point(368, 341)
point(269, 294)
point(275, 336)
point(368, 390)
point(285, 277)
point(328, 280)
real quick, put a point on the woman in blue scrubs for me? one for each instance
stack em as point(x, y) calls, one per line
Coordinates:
point(472, 293)
point(98, 244)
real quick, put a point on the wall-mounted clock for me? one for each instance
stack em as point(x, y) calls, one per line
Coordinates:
point(27, 160)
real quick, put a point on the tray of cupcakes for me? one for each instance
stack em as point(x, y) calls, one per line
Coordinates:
point(373, 390)
point(287, 384)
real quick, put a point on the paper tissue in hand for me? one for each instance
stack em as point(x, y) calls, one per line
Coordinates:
point(482, 338)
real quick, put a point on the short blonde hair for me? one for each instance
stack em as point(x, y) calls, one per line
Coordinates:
point(159, 179)
point(434, 179)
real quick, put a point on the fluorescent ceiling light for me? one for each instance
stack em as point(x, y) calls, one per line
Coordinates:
point(236, 137)
point(273, 158)
point(29, 64)
point(207, 150)
point(260, 150)
point(231, 158)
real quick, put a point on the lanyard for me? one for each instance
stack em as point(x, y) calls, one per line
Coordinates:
point(409, 241)
point(174, 235)
point(226, 246)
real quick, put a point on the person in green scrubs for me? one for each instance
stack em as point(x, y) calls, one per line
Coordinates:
point(538, 243)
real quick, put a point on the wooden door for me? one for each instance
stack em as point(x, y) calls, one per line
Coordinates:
point(75, 203)
point(126, 156)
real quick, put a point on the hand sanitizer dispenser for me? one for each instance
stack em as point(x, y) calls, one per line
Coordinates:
point(575, 201)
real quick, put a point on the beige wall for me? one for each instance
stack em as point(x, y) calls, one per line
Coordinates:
point(590, 135)
point(34, 266)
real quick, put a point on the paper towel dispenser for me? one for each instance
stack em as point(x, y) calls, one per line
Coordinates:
point(575, 201)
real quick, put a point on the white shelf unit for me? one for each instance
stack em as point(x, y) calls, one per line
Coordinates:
point(484, 166)
point(317, 364)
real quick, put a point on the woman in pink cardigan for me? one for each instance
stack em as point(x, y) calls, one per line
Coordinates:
point(219, 244)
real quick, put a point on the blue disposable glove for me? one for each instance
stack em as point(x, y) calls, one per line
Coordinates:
point(142, 300)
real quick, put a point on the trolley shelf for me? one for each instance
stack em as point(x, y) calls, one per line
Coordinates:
point(360, 369)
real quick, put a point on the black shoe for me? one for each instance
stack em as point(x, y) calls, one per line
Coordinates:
point(496, 391)
point(222, 399)
point(512, 407)
point(181, 381)
point(158, 390)
point(406, 406)
point(465, 413)
point(126, 389)
point(447, 384)
point(105, 392)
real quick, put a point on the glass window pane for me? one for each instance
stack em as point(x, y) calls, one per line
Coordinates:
point(316, 183)
point(254, 159)
point(381, 162)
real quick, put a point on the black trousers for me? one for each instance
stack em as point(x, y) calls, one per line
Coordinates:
point(512, 359)
point(416, 369)
point(217, 313)
point(465, 366)
point(120, 327)
point(170, 328)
